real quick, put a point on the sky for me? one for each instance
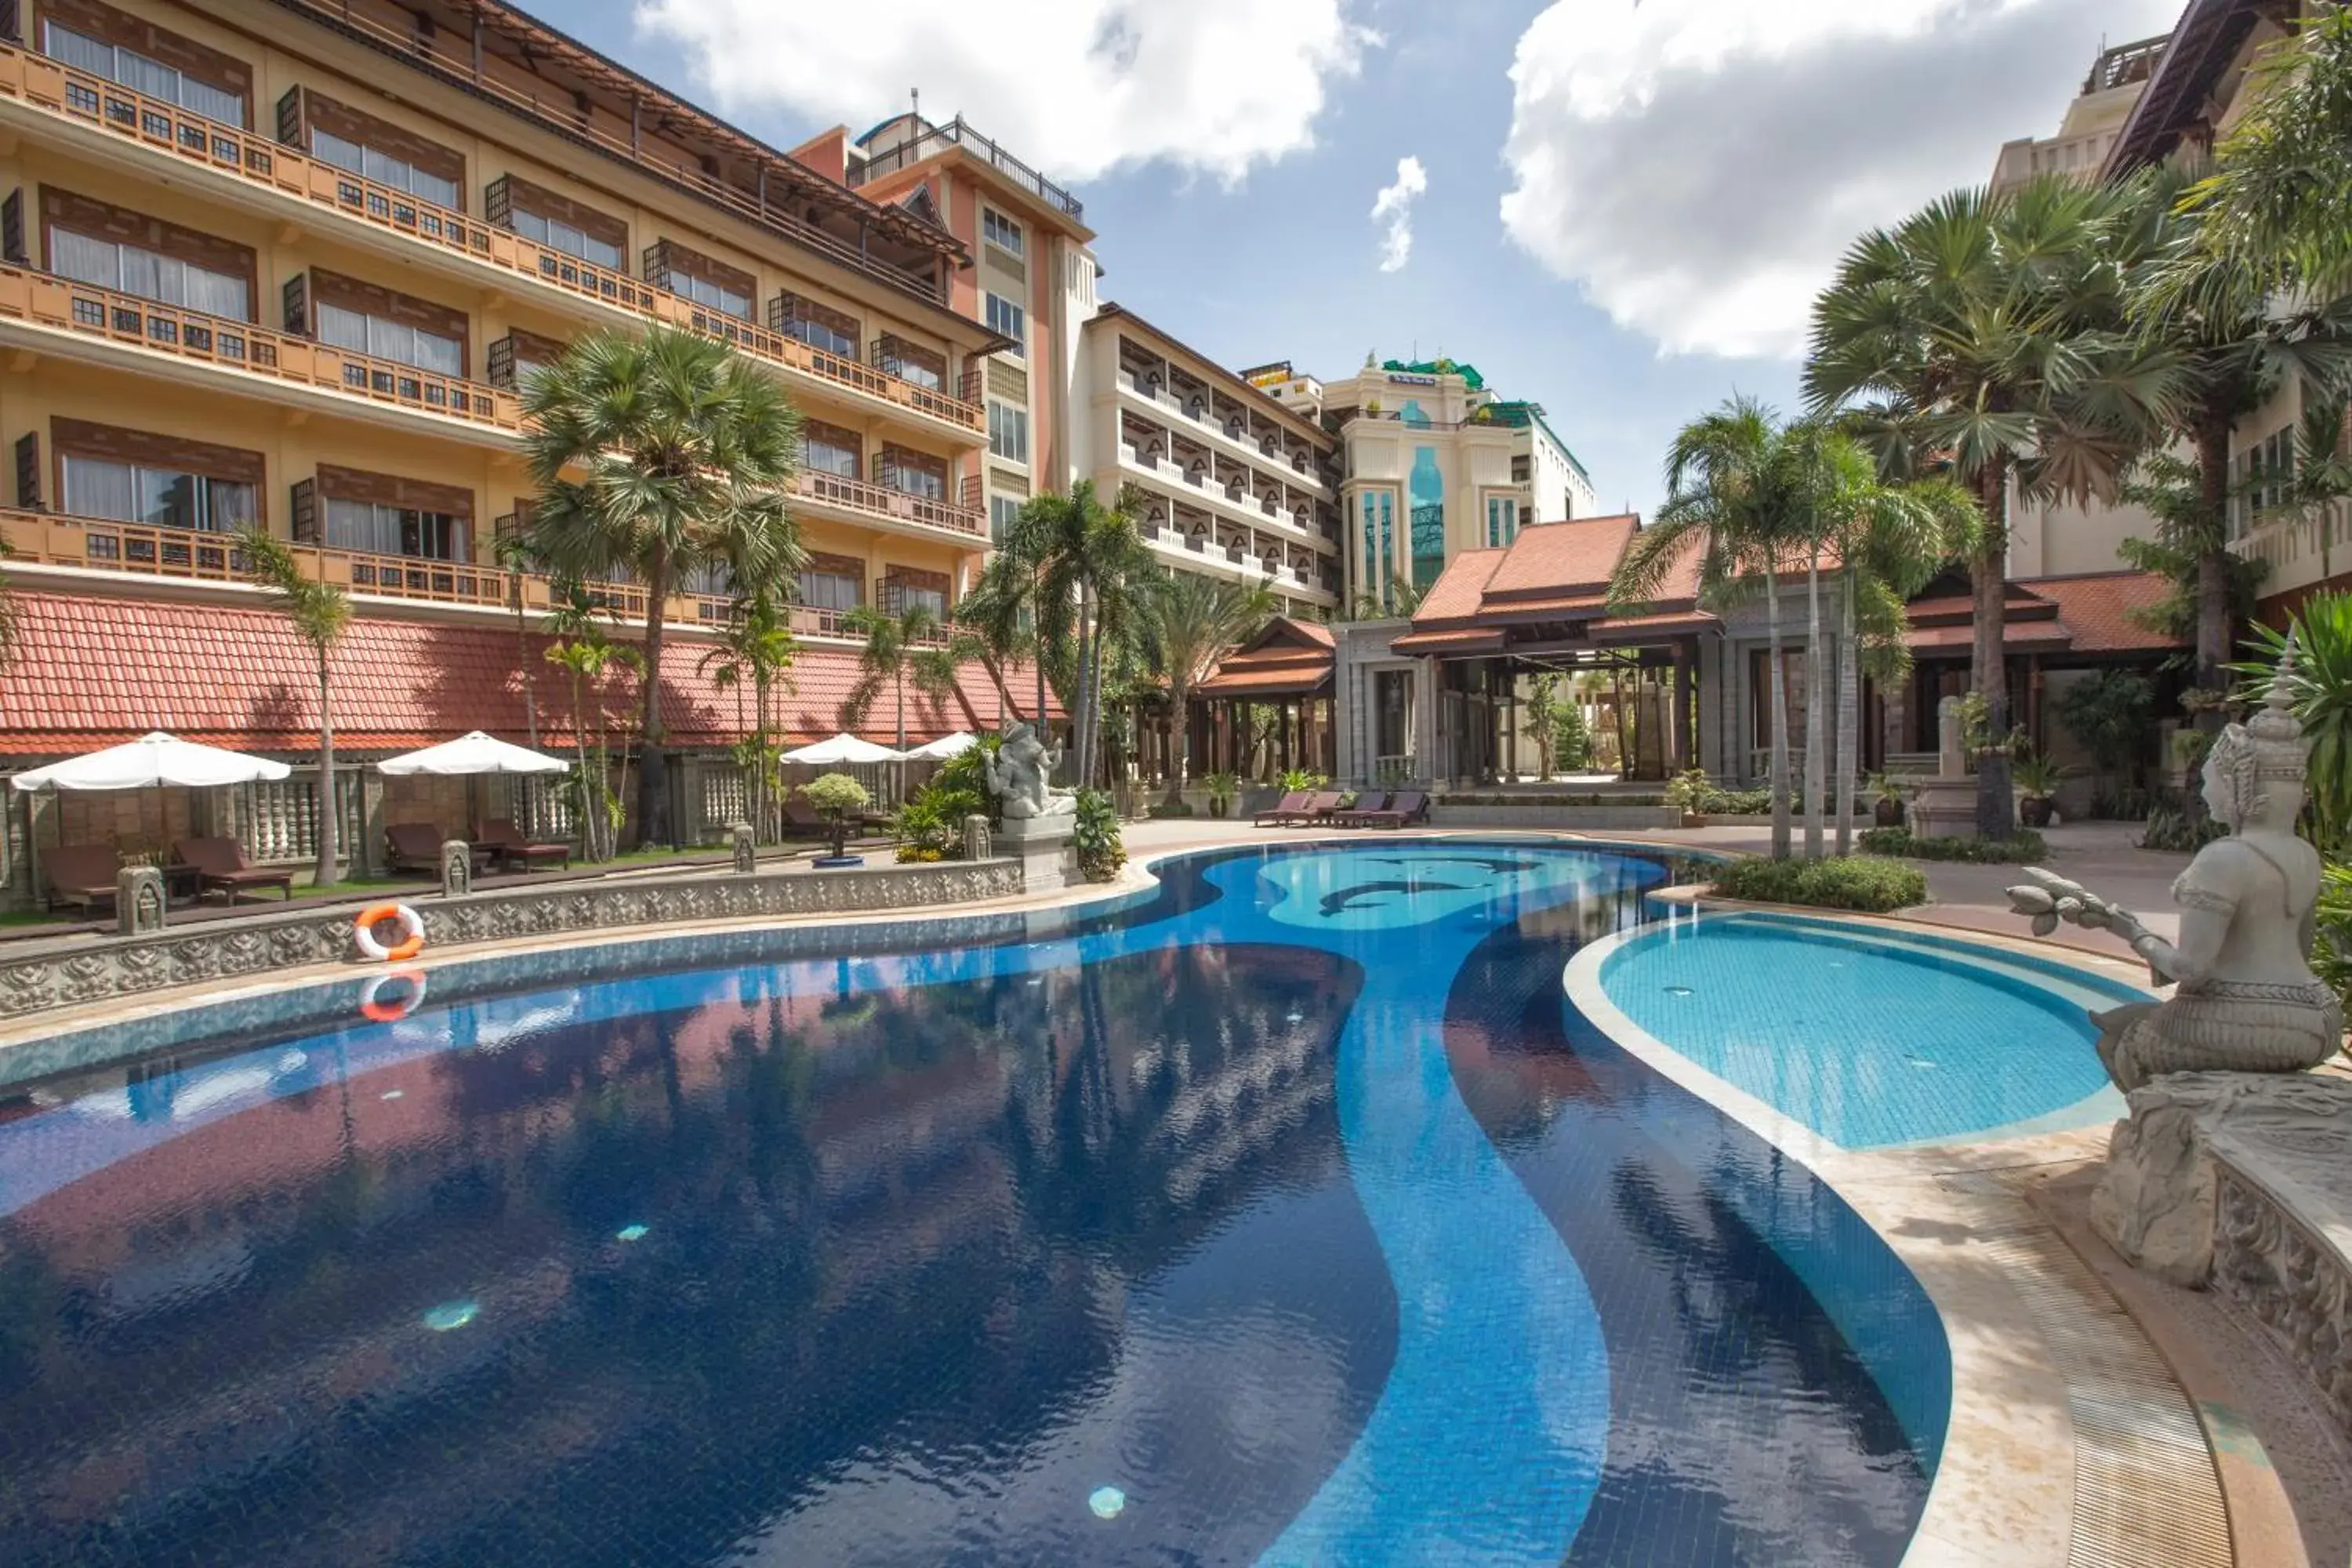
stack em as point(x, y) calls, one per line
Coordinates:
point(1620, 209)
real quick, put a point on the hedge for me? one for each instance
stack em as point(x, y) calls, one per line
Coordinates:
point(2023, 850)
point(1869, 883)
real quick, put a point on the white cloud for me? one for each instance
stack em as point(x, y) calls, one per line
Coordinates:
point(1698, 165)
point(1395, 204)
point(1076, 88)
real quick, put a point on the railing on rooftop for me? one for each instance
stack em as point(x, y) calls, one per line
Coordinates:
point(956, 134)
point(2125, 64)
point(167, 127)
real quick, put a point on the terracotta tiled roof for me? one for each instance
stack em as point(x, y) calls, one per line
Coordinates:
point(1285, 657)
point(1468, 639)
point(1549, 558)
point(1268, 681)
point(1456, 594)
point(2100, 609)
point(92, 672)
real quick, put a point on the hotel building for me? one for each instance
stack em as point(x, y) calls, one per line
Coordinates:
point(286, 263)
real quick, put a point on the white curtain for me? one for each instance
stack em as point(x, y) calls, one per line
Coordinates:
point(95, 489)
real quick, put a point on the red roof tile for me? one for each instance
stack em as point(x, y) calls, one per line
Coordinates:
point(1456, 594)
point(1551, 558)
point(2100, 607)
point(93, 671)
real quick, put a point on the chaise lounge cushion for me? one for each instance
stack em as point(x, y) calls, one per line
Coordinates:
point(501, 838)
point(81, 874)
point(221, 865)
point(1291, 808)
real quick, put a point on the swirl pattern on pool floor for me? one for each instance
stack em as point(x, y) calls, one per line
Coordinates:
point(1289, 1214)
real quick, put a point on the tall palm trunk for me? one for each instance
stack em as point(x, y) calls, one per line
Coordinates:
point(1180, 693)
point(1779, 718)
point(588, 840)
point(324, 873)
point(1849, 714)
point(523, 662)
point(1988, 658)
point(653, 776)
point(2213, 562)
point(1816, 716)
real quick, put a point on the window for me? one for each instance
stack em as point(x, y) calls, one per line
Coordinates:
point(1520, 469)
point(1005, 317)
point(139, 74)
point(1501, 521)
point(823, 336)
point(394, 340)
point(907, 596)
point(381, 530)
point(1003, 511)
point(703, 291)
point(910, 363)
point(915, 473)
point(832, 586)
point(161, 497)
point(162, 278)
point(829, 449)
point(557, 235)
point(1008, 431)
point(382, 168)
point(1000, 231)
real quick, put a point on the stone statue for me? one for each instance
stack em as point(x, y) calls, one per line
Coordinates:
point(746, 849)
point(2247, 1000)
point(456, 869)
point(1016, 773)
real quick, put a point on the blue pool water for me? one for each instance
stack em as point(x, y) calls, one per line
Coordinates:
point(1870, 1036)
point(1286, 1215)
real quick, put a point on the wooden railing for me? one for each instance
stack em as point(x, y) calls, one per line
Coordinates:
point(880, 500)
point(170, 130)
point(49, 300)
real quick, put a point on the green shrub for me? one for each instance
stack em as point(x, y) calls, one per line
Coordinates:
point(2024, 849)
point(1294, 780)
point(1869, 883)
point(2331, 951)
point(1095, 837)
point(839, 797)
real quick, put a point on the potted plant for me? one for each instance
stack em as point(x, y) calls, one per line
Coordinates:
point(2037, 779)
point(837, 795)
point(1222, 789)
point(1886, 800)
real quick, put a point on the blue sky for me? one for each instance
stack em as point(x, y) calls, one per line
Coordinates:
point(1626, 204)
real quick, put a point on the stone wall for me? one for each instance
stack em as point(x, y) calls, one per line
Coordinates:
point(124, 967)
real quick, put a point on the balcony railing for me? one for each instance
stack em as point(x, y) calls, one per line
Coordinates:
point(956, 134)
point(809, 621)
point(168, 129)
point(49, 300)
point(881, 500)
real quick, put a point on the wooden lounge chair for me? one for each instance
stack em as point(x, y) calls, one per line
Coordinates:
point(1318, 808)
point(220, 866)
point(1405, 807)
point(1369, 802)
point(804, 819)
point(81, 874)
point(414, 847)
point(1292, 807)
point(505, 843)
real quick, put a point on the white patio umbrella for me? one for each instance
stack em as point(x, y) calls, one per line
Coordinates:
point(152, 761)
point(844, 749)
point(474, 753)
point(946, 746)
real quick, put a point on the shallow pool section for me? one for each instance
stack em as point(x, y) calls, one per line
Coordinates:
point(1872, 1036)
point(1286, 1214)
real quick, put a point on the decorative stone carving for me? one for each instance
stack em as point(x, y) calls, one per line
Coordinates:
point(2246, 999)
point(976, 844)
point(747, 851)
point(139, 902)
point(1017, 771)
point(1946, 805)
point(1951, 755)
point(457, 869)
point(1043, 844)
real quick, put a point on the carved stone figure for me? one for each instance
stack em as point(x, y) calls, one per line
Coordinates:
point(456, 869)
point(746, 854)
point(139, 902)
point(1018, 774)
point(2246, 999)
point(976, 844)
point(1951, 758)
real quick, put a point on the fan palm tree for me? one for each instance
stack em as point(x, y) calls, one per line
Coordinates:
point(687, 452)
point(1723, 518)
point(1184, 622)
point(913, 647)
point(1000, 613)
point(319, 614)
point(1985, 338)
point(1091, 567)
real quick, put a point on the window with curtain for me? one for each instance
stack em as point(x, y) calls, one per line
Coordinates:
point(1000, 231)
point(136, 71)
point(895, 360)
point(394, 340)
point(830, 588)
point(379, 529)
point(1008, 431)
point(704, 292)
point(1005, 317)
point(557, 235)
point(1003, 511)
point(160, 498)
point(163, 278)
point(914, 596)
point(827, 450)
point(382, 168)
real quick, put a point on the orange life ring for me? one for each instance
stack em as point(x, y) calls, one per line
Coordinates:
point(378, 1010)
point(411, 933)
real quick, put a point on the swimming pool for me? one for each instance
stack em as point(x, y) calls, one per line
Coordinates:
point(1869, 1036)
point(1287, 1214)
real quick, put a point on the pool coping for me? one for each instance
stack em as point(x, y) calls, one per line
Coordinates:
point(2014, 1484)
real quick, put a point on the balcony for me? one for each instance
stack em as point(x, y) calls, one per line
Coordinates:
point(956, 134)
point(174, 133)
point(1266, 454)
point(871, 502)
point(2303, 550)
point(55, 304)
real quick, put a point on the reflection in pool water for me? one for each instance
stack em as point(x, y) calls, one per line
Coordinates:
point(1290, 1216)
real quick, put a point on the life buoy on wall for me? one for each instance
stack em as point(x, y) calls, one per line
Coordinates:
point(411, 933)
point(376, 1010)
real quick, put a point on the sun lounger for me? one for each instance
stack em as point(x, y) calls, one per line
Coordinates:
point(80, 874)
point(1405, 807)
point(222, 867)
point(1369, 802)
point(506, 843)
point(1291, 808)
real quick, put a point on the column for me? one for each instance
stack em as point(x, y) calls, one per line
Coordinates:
point(1684, 756)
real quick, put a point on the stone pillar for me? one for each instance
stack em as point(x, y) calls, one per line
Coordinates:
point(456, 869)
point(747, 852)
point(138, 900)
point(1043, 844)
point(976, 843)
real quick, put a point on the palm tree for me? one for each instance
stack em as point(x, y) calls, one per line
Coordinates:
point(321, 613)
point(912, 646)
point(1403, 599)
point(1184, 622)
point(512, 553)
point(1000, 612)
point(1725, 518)
point(756, 646)
point(1805, 478)
point(1091, 566)
point(1984, 337)
point(585, 659)
point(2237, 343)
point(687, 452)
